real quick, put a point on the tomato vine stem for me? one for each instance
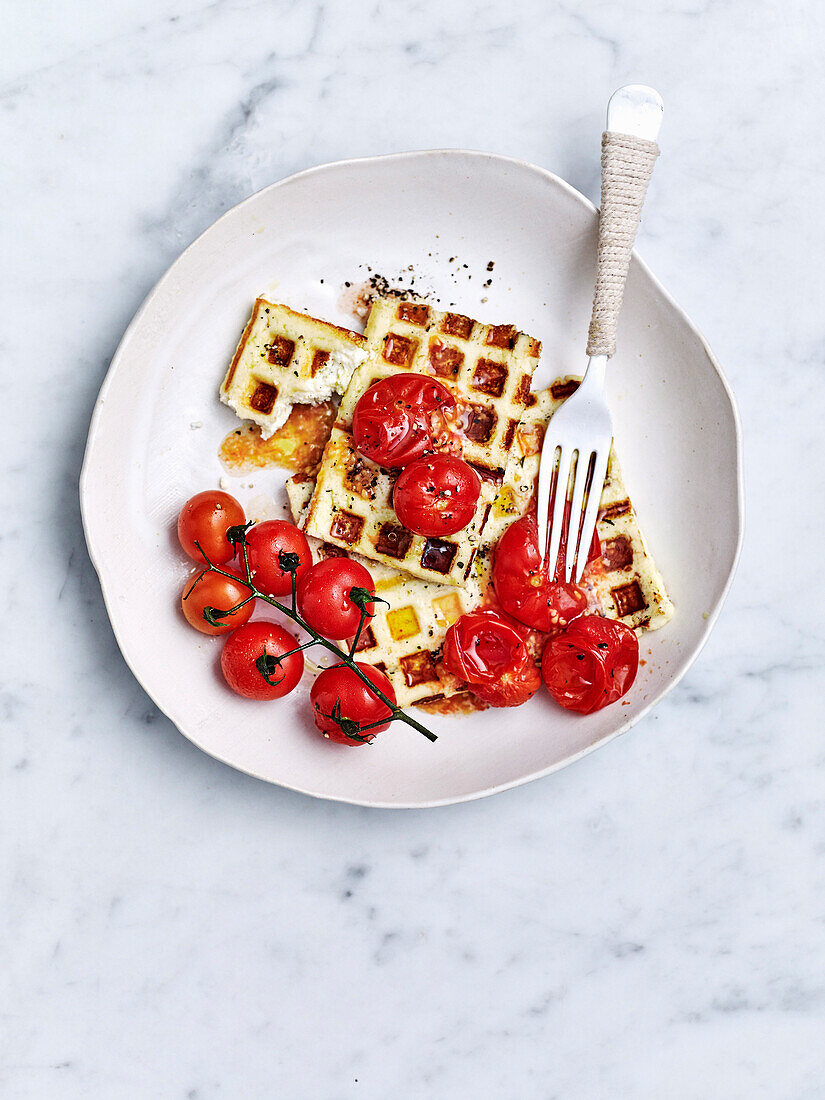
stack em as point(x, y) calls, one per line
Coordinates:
point(398, 715)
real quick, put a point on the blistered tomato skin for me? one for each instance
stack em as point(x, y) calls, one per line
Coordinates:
point(521, 584)
point(436, 495)
point(340, 694)
point(401, 418)
point(205, 519)
point(482, 649)
point(264, 544)
point(592, 664)
point(262, 642)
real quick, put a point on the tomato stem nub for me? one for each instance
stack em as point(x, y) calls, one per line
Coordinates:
point(266, 665)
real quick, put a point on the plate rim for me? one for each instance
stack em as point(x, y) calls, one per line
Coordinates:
point(87, 472)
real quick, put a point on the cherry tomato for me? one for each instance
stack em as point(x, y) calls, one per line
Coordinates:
point(249, 661)
point(436, 495)
point(521, 584)
point(593, 663)
point(205, 519)
point(324, 596)
point(401, 418)
point(490, 655)
point(339, 692)
point(213, 590)
point(264, 545)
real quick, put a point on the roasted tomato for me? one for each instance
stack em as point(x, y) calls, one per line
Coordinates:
point(436, 495)
point(402, 418)
point(264, 545)
point(251, 663)
point(205, 519)
point(490, 655)
point(593, 663)
point(330, 595)
point(210, 589)
point(346, 710)
point(521, 584)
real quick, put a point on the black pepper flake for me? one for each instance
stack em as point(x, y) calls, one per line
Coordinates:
point(490, 265)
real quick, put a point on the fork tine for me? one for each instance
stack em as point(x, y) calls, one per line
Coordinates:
point(591, 511)
point(582, 469)
point(545, 488)
point(558, 511)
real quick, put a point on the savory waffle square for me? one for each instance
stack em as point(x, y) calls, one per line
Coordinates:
point(489, 369)
point(404, 637)
point(285, 358)
point(624, 583)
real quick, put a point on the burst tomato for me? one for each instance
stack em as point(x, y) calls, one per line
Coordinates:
point(593, 663)
point(436, 495)
point(490, 655)
point(250, 661)
point(205, 519)
point(325, 597)
point(346, 710)
point(210, 589)
point(401, 418)
point(264, 545)
point(521, 584)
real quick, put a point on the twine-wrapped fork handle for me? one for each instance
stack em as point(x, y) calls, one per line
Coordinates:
point(627, 165)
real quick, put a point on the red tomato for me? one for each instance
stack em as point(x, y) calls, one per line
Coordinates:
point(324, 596)
point(264, 545)
point(401, 418)
point(340, 693)
point(521, 584)
point(593, 663)
point(213, 590)
point(490, 655)
point(436, 495)
point(249, 661)
point(205, 519)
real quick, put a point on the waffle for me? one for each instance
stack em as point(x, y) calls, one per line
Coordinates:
point(403, 638)
point(285, 358)
point(489, 369)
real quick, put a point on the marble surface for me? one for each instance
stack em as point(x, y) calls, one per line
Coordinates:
point(647, 923)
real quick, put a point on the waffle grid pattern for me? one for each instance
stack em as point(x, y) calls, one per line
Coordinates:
point(489, 368)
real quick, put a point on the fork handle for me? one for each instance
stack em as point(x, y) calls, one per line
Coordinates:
point(627, 165)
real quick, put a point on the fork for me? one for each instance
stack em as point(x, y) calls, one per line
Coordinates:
point(583, 426)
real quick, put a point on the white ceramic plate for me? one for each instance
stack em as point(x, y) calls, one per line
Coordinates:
point(447, 214)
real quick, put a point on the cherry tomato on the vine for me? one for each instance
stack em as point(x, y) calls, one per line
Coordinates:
point(324, 597)
point(491, 656)
point(436, 495)
point(593, 663)
point(210, 589)
point(264, 544)
point(249, 661)
point(205, 519)
point(343, 704)
point(521, 584)
point(401, 418)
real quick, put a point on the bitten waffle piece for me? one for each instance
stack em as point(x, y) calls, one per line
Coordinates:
point(285, 358)
point(624, 583)
point(489, 369)
point(403, 639)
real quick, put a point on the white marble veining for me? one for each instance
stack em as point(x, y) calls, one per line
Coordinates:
point(647, 923)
